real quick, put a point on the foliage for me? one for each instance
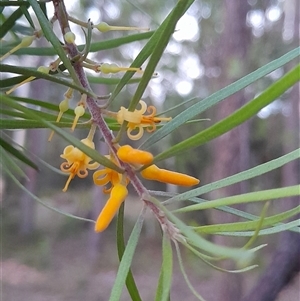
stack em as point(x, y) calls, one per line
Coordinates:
point(67, 71)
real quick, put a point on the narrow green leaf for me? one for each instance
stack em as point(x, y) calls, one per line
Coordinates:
point(4, 3)
point(186, 278)
point(201, 243)
point(249, 225)
point(127, 258)
point(165, 278)
point(26, 14)
point(11, 20)
point(227, 209)
point(9, 165)
point(257, 196)
point(130, 283)
point(203, 258)
point(95, 47)
point(16, 153)
point(37, 75)
point(258, 227)
point(218, 96)
point(8, 124)
point(239, 177)
point(276, 229)
point(238, 117)
point(11, 81)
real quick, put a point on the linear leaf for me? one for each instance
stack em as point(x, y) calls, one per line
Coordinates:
point(37, 74)
point(238, 117)
point(200, 242)
point(250, 225)
point(130, 283)
point(165, 278)
point(127, 258)
point(95, 47)
point(218, 96)
point(276, 229)
point(257, 196)
point(11, 20)
point(18, 154)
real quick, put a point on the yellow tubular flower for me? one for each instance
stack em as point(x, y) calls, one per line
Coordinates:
point(107, 68)
point(135, 156)
point(136, 120)
point(77, 161)
point(166, 176)
point(117, 197)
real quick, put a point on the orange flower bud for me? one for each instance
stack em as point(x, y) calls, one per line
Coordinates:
point(117, 196)
point(135, 156)
point(166, 176)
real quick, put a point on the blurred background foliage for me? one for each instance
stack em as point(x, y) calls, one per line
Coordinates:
point(215, 44)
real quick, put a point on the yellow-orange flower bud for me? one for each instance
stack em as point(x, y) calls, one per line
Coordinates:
point(135, 156)
point(117, 196)
point(166, 176)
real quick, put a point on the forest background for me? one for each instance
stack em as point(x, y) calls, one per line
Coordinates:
point(46, 256)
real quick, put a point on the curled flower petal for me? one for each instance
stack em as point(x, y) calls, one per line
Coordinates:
point(130, 155)
point(117, 196)
point(101, 181)
point(104, 176)
point(78, 162)
point(166, 176)
point(136, 136)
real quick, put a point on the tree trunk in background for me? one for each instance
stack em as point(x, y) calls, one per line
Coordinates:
point(28, 204)
point(285, 262)
point(231, 150)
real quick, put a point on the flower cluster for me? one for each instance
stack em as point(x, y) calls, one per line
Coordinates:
point(78, 163)
point(137, 120)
